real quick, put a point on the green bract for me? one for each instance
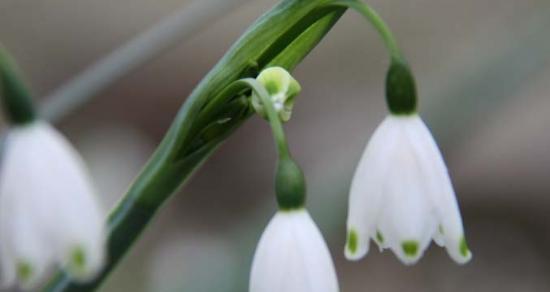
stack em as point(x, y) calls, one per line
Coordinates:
point(282, 89)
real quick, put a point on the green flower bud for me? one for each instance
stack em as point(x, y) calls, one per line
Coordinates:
point(282, 89)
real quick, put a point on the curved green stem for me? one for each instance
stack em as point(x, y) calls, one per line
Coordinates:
point(372, 16)
point(290, 185)
point(273, 117)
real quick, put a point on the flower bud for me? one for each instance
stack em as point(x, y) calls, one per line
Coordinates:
point(282, 89)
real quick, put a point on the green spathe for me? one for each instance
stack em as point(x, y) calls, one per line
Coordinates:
point(282, 89)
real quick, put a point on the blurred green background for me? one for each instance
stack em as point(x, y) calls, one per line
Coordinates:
point(483, 72)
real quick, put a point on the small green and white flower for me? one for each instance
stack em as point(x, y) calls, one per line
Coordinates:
point(282, 89)
point(48, 212)
point(292, 257)
point(402, 197)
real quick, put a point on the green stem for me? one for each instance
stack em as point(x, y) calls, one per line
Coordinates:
point(400, 84)
point(290, 185)
point(273, 117)
point(372, 16)
point(283, 37)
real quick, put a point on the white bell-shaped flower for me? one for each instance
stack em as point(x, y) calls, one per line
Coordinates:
point(292, 257)
point(48, 213)
point(402, 196)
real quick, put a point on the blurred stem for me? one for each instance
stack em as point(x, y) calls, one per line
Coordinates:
point(138, 51)
point(282, 37)
point(372, 16)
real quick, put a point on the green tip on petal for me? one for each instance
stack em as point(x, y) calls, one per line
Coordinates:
point(24, 271)
point(441, 229)
point(352, 241)
point(410, 247)
point(379, 237)
point(463, 247)
point(78, 258)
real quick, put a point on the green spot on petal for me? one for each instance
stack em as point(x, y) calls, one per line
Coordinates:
point(352, 241)
point(24, 271)
point(379, 237)
point(441, 229)
point(78, 259)
point(410, 247)
point(463, 247)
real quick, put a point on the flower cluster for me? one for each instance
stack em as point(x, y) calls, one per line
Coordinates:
point(401, 197)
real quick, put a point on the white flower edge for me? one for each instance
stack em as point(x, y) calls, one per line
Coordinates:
point(292, 256)
point(48, 212)
point(401, 195)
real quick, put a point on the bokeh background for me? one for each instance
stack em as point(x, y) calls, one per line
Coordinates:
point(483, 72)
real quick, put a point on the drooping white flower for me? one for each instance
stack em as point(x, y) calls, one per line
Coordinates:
point(402, 197)
point(292, 257)
point(48, 212)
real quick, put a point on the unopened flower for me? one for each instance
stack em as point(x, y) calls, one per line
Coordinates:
point(402, 196)
point(282, 89)
point(292, 257)
point(48, 212)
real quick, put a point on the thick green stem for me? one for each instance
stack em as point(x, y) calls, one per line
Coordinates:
point(283, 37)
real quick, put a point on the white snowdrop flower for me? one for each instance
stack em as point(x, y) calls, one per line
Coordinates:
point(292, 257)
point(402, 196)
point(48, 212)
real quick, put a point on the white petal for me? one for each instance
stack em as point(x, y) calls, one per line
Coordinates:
point(406, 223)
point(44, 176)
point(366, 189)
point(25, 257)
point(292, 257)
point(441, 190)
